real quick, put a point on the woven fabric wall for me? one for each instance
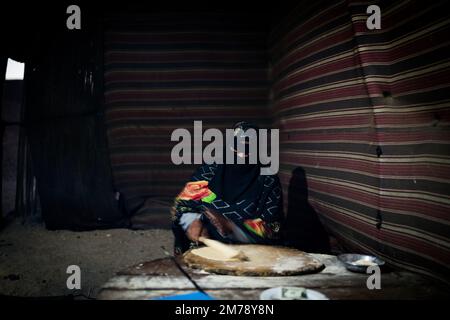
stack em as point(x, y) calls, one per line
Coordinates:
point(164, 71)
point(365, 118)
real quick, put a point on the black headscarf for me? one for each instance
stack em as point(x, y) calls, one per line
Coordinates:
point(236, 182)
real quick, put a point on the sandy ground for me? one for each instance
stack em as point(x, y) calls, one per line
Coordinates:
point(33, 260)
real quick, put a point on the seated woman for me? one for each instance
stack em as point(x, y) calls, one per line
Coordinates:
point(232, 203)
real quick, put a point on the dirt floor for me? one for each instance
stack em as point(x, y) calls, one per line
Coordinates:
point(33, 260)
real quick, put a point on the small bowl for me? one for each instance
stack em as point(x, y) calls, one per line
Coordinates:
point(277, 294)
point(359, 262)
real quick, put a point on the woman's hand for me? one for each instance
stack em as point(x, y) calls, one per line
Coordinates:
point(196, 230)
point(222, 224)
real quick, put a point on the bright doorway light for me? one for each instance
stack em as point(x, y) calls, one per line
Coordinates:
point(14, 70)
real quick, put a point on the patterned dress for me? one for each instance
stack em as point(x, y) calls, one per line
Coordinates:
point(259, 219)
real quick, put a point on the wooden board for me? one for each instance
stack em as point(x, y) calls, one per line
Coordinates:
point(162, 277)
point(262, 261)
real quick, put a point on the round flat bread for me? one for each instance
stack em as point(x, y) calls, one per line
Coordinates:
point(262, 261)
point(210, 254)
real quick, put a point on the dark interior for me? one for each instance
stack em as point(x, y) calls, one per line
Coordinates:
point(363, 116)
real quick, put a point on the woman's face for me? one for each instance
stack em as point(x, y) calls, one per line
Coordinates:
point(241, 145)
point(240, 154)
point(244, 146)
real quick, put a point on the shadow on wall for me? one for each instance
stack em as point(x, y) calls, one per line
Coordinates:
point(303, 229)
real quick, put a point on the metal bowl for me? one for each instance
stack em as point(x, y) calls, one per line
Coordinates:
point(355, 262)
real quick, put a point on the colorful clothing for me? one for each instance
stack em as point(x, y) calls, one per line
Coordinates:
point(259, 216)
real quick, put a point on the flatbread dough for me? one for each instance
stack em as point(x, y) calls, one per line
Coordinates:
point(211, 254)
point(261, 261)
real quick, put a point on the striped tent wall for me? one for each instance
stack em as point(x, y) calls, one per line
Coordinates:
point(162, 72)
point(365, 113)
